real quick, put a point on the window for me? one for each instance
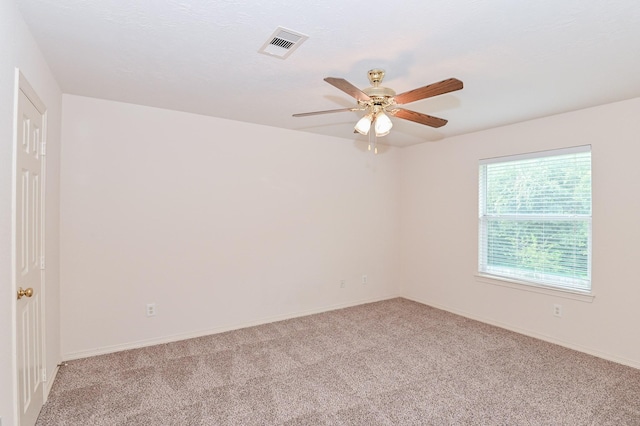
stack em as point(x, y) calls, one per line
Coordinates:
point(535, 218)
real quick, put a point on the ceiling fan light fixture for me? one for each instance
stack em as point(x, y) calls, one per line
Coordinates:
point(364, 124)
point(382, 124)
point(377, 99)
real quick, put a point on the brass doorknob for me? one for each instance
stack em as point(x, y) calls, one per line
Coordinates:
point(22, 293)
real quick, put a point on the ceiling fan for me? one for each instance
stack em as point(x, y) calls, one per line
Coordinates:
point(377, 101)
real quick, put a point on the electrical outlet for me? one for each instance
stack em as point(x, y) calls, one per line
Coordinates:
point(151, 309)
point(343, 283)
point(364, 279)
point(557, 310)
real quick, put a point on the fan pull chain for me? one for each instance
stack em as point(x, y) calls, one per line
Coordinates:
point(371, 136)
point(373, 140)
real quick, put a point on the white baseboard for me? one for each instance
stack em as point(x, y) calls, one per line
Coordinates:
point(535, 334)
point(49, 383)
point(190, 335)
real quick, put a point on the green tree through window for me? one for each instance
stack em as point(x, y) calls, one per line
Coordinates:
point(535, 218)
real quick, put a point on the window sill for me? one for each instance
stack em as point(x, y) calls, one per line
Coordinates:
point(534, 288)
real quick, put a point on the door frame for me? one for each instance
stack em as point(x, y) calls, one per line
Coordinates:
point(22, 85)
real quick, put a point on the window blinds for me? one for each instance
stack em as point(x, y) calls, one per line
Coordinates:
point(535, 218)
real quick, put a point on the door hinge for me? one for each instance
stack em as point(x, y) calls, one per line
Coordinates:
point(43, 151)
point(41, 262)
point(44, 374)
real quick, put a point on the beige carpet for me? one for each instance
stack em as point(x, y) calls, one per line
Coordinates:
point(394, 362)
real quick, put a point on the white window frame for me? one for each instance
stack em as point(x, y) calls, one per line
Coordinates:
point(505, 276)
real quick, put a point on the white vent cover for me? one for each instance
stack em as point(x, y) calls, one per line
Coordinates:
point(282, 43)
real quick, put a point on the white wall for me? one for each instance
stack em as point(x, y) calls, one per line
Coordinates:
point(220, 223)
point(439, 220)
point(19, 50)
point(225, 224)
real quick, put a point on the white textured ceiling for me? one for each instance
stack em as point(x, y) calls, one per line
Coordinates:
point(518, 59)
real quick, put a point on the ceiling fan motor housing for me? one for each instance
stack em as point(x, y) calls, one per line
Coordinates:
point(379, 95)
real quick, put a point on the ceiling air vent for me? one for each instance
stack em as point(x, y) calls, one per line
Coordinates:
point(282, 43)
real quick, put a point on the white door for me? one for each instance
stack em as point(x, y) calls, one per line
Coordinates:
point(29, 260)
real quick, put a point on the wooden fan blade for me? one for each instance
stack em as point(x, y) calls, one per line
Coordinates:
point(419, 117)
point(347, 88)
point(435, 89)
point(328, 111)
